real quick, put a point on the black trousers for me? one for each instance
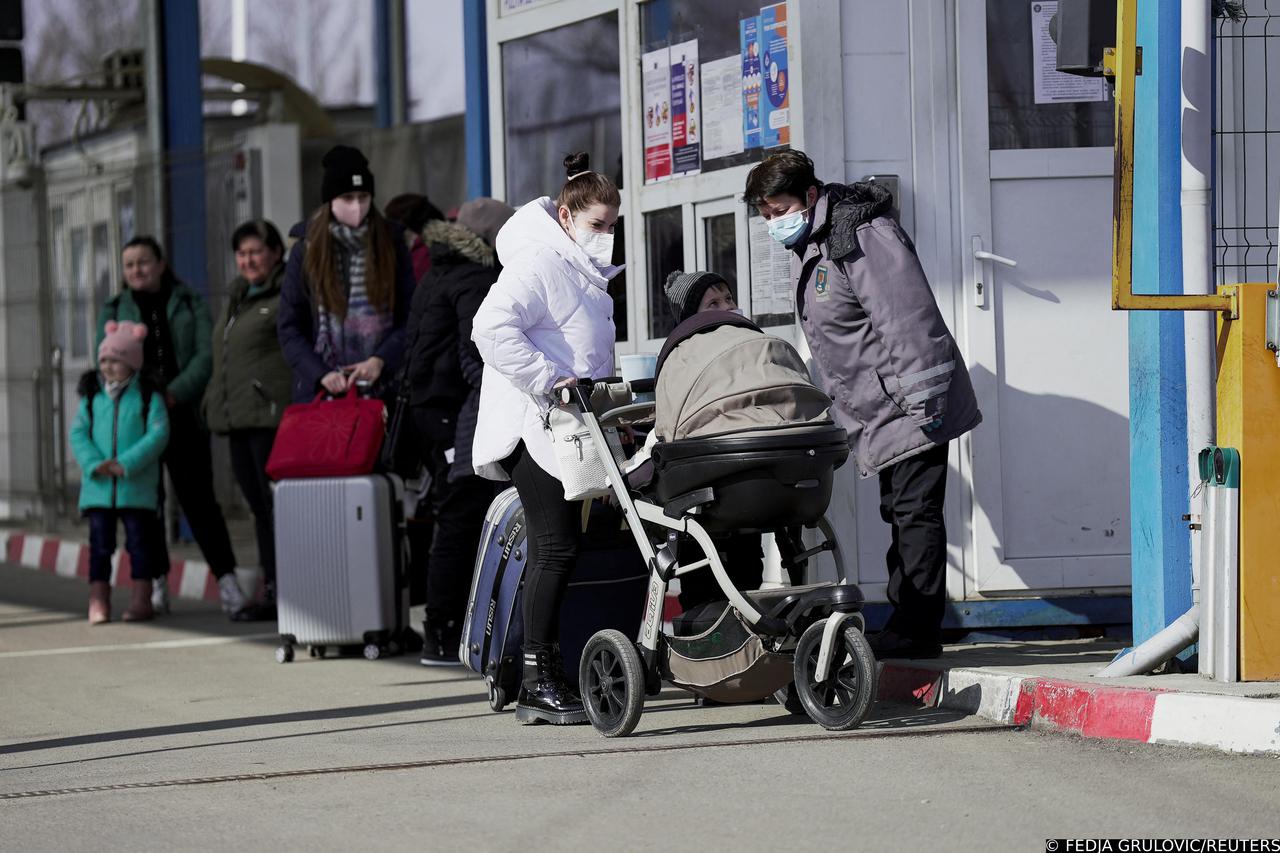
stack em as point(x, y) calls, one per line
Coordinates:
point(189, 462)
point(555, 529)
point(137, 541)
point(912, 494)
point(458, 509)
point(250, 449)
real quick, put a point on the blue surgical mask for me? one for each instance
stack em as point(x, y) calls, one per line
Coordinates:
point(788, 229)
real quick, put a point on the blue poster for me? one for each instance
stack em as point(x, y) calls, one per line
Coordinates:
point(749, 31)
point(775, 101)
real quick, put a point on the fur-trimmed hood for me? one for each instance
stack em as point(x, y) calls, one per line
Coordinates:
point(848, 206)
point(450, 241)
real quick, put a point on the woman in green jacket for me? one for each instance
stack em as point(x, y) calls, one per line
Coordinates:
point(251, 383)
point(177, 349)
point(118, 435)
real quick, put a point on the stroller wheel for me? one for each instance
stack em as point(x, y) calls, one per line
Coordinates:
point(611, 678)
point(843, 699)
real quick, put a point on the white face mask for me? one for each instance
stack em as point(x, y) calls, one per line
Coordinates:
point(738, 311)
point(350, 213)
point(597, 245)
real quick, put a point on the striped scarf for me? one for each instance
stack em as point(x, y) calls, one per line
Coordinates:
point(356, 336)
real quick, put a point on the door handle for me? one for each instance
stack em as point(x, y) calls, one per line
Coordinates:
point(980, 256)
point(994, 258)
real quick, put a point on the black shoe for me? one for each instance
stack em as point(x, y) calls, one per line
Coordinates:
point(261, 612)
point(890, 645)
point(545, 696)
point(440, 644)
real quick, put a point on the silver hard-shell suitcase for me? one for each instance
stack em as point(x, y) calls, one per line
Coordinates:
point(340, 564)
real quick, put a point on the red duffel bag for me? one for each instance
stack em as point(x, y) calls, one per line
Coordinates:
point(328, 438)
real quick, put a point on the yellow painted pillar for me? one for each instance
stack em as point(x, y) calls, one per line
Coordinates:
point(1249, 421)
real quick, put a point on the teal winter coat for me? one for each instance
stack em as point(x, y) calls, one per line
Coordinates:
point(118, 432)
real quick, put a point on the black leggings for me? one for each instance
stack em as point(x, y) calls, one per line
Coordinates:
point(555, 526)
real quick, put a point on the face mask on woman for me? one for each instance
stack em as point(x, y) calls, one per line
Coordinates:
point(788, 229)
point(351, 209)
point(597, 244)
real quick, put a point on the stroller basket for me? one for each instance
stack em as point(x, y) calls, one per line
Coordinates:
point(762, 480)
point(727, 662)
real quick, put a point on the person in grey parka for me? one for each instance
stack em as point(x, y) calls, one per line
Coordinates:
point(886, 358)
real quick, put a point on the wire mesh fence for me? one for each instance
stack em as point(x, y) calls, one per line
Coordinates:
point(1247, 141)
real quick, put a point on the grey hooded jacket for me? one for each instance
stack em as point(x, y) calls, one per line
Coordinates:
point(882, 350)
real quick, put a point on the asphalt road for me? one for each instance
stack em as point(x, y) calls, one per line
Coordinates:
point(185, 734)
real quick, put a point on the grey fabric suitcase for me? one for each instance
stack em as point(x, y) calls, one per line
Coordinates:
point(341, 564)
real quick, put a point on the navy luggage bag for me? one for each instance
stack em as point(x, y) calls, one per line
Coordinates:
point(607, 590)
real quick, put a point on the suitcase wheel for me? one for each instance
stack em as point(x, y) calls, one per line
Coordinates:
point(497, 696)
point(372, 651)
point(318, 651)
point(284, 654)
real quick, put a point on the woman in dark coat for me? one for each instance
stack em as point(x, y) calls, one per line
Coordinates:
point(444, 370)
point(250, 385)
point(347, 288)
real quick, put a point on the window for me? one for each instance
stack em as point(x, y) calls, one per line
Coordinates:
point(618, 284)
point(715, 26)
point(79, 319)
point(1015, 119)
point(561, 92)
point(664, 253)
point(58, 230)
point(722, 248)
point(102, 266)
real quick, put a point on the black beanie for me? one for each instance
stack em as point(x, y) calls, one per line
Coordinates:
point(345, 171)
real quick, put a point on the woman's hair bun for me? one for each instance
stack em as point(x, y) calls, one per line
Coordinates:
point(577, 162)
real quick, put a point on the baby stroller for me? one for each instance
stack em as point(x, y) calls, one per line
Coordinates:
point(758, 457)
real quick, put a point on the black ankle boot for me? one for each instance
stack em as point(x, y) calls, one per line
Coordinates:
point(545, 696)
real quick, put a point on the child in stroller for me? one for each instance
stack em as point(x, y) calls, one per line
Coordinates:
point(744, 444)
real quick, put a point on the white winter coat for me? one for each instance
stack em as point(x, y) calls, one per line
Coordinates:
point(548, 316)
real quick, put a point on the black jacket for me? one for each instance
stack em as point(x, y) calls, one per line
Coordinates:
point(444, 366)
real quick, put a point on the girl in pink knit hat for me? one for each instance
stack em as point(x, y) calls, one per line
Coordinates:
point(118, 435)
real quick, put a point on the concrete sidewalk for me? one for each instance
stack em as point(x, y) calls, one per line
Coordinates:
point(1044, 685)
point(1050, 686)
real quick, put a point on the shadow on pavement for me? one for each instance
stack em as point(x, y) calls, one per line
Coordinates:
point(241, 722)
point(245, 741)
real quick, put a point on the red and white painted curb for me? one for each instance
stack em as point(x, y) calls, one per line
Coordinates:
point(190, 579)
point(1227, 723)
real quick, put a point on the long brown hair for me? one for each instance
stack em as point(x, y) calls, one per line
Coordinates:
point(320, 263)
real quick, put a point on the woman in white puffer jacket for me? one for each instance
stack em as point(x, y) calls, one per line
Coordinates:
point(547, 321)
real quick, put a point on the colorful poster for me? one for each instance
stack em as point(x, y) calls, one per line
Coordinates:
point(656, 83)
point(749, 33)
point(775, 100)
point(686, 105)
point(722, 108)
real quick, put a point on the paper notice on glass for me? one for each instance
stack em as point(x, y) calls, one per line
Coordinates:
point(686, 106)
point(775, 100)
point(656, 84)
point(1052, 86)
point(721, 108)
point(771, 285)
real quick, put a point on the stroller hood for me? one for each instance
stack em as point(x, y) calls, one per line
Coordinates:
point(731, 377)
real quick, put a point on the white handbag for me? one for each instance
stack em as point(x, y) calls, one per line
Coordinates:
point(582, 471)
